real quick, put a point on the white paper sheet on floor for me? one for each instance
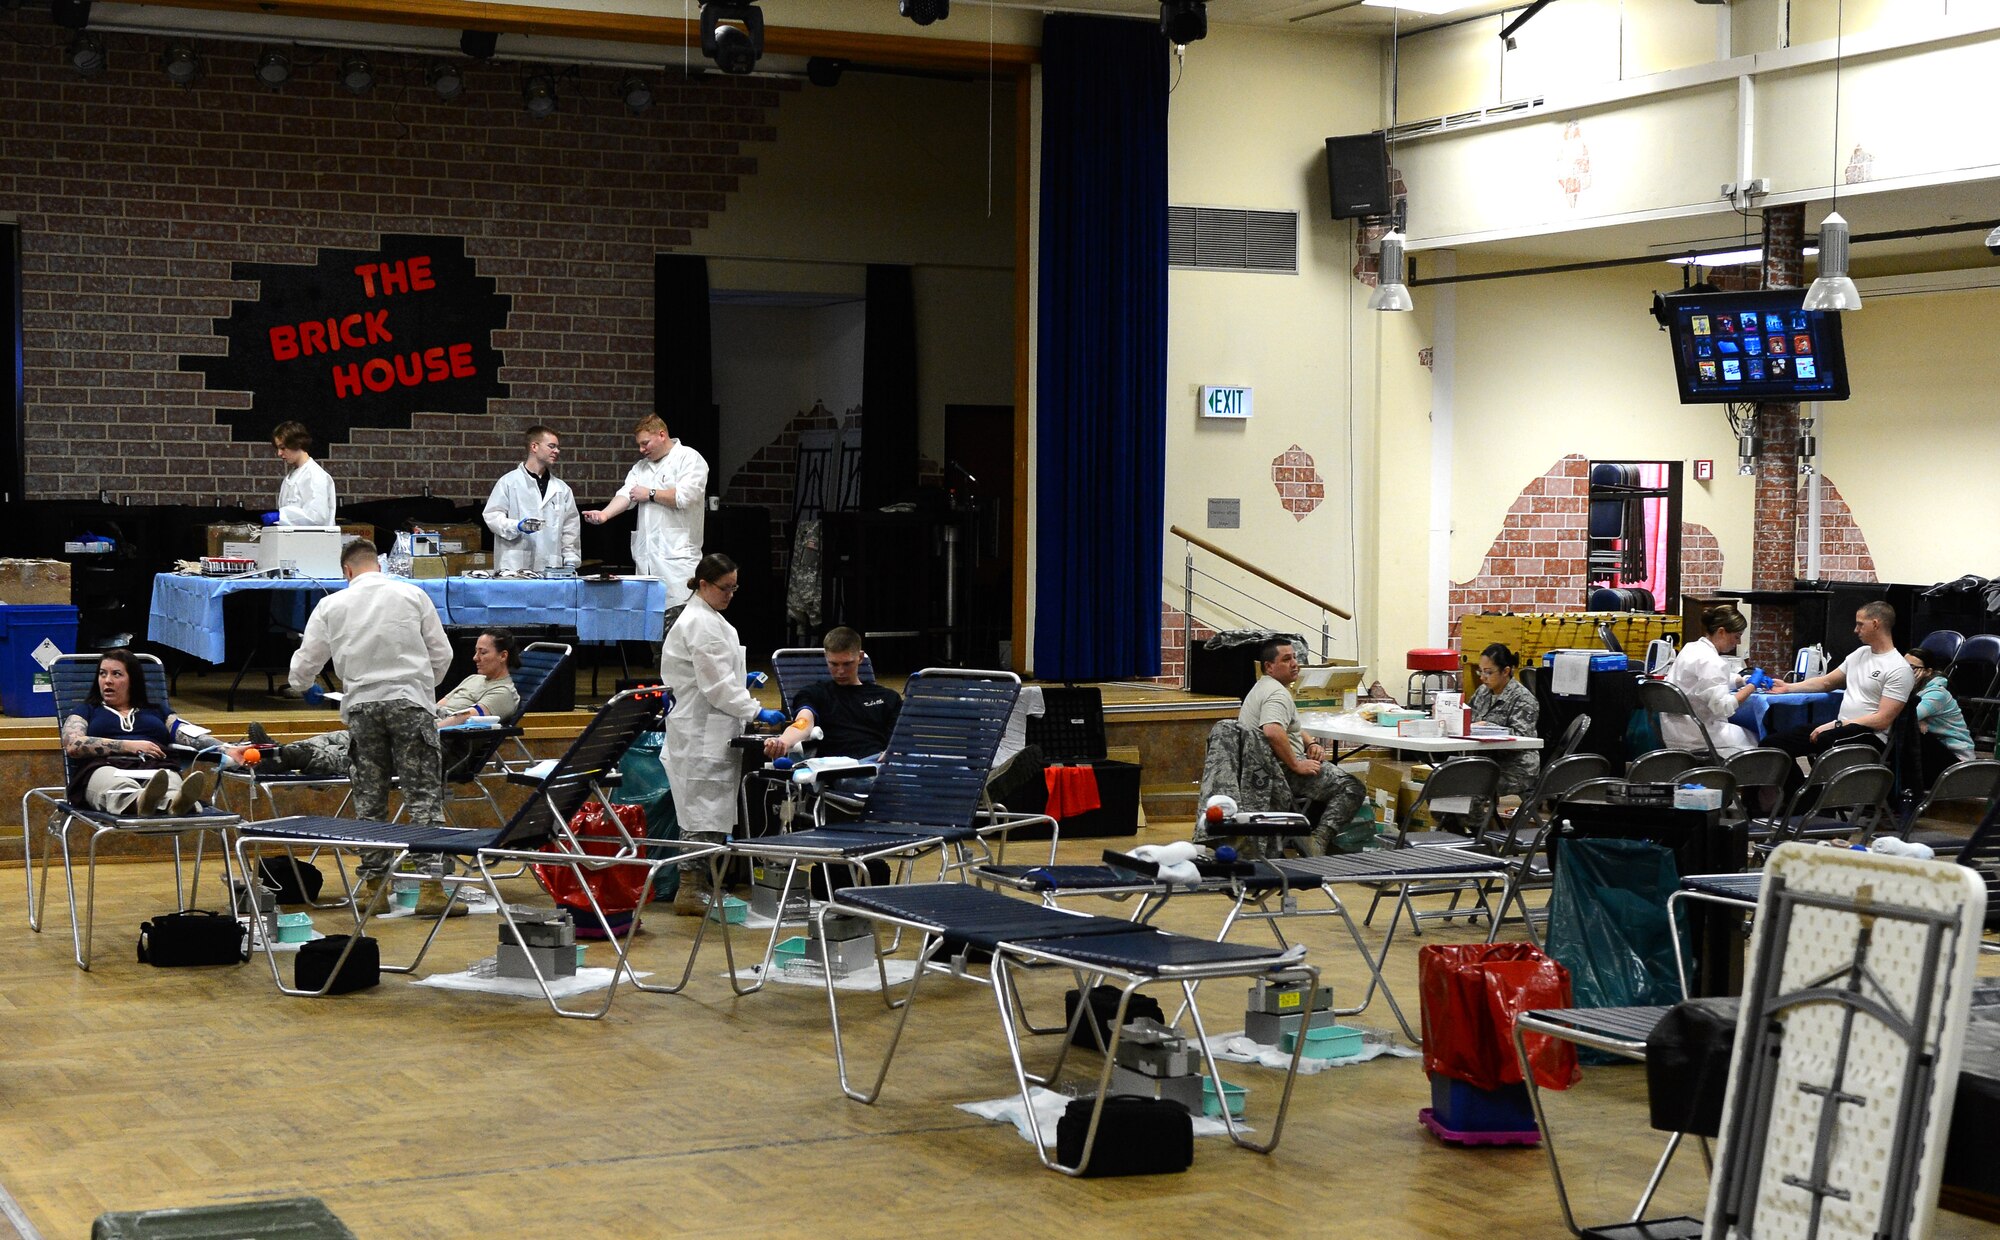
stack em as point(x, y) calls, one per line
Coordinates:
point(1235, 1048)
point(802, 974)
point(585, 981)
point(1049, 1106)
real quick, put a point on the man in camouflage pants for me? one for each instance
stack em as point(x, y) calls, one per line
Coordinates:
point(1307, 769)
point(389, 650)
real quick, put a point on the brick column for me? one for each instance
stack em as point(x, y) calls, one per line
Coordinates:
point(1774, 554)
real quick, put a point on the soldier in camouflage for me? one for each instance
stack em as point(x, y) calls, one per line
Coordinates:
point(1505, 701)
point(1306, 769)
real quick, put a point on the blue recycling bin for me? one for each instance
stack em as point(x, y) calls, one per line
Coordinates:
point(31, 635)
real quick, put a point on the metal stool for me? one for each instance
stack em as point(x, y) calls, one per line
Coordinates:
point(1431, 672)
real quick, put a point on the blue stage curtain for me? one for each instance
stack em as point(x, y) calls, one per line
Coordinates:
point(1102, 360)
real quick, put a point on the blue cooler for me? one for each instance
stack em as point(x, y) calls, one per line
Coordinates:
point(25, 691)
point(1600, 661)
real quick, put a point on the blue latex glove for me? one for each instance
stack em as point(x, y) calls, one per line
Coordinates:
point(773, 717)
point(528, 525)
point(313, 696)
point(756, 680)
point(1758, 678)
point(782, 764)
point(269, 518)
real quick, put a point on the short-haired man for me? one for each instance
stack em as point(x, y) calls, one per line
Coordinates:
point(1268, 709)
point(306, 495)
point(669, 487)
point(1877, 680)
point(532, 513)
point(389, 650)
point(855, 718)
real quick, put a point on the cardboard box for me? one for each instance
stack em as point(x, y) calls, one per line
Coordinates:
point(459, 565)
point(429, 568)
point(233, 540)
point(34, 582)
point(458, 539)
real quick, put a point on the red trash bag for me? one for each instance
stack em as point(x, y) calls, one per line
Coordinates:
point(618, 888)
point(1471, 994)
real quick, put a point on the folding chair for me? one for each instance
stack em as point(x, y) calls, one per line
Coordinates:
point(538, 833)
point(1718, 778)
point(1475, 781)
point(1976, 781)
point(1662, 766)
point(1824, 768)
point(465, 778)
point(1942, 642)
point(1857, 797)
point(798, 666)
point(71, 677)
point(926, 797)
point(1659, 698)
point(953, 918)
point(1521, 850)
point(1759, 770)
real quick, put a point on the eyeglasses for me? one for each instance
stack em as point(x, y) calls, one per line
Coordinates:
point(729, 589)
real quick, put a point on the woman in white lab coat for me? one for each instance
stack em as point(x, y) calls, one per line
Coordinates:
point(701, 661)
point(534, 528)
point(1709, 673)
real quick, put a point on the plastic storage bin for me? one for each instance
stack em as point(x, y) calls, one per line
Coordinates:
point(1468, 1115)
point(25, 691)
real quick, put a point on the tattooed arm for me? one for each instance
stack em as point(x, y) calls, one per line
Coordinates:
point(79, 743)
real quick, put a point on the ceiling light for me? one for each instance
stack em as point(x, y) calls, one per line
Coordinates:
point(357, 75)
point(1390, 293)
point(1993, 242)
point(1834, 289)
point(86, 54)
point(1426, 8)
point(924, 12)
point(181, 65)
point(636, 93)
point(1730, 258)
point(274, 69)
point(732, 35)
point(538, 96)
point(446, 79)
point(1183, 21)
point(73, 14)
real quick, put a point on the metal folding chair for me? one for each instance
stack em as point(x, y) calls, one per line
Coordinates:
point(798, 666)
point(1518, 846)
point(1977, 781)
point(1475, 781)
point(71, 677)
point(1662, 766)
point(1854, 799)
point(1659, 698)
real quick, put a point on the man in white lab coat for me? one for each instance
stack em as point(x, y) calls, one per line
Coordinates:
point(389, 650)
point(305, 497)
point(669, 487)
point(532, 513)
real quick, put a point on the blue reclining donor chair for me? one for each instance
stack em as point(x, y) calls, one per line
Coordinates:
point(538, 833)
point(70, 680)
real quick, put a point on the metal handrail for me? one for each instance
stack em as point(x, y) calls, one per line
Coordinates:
point(1189, 595)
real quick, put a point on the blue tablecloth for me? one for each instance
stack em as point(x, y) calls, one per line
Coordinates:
point(187, 610)
point(1765, 714)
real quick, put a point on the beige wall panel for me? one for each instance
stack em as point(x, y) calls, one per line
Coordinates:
point(1659, 35)
point(1563, 47)
point(1448, 70)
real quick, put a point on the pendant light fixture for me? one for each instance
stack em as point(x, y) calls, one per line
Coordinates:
point(1834, 289)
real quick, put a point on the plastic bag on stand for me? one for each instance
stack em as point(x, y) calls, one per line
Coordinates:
point(1608, 921)
point(1471, 994)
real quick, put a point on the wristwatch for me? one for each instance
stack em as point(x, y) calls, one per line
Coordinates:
point(652, 496)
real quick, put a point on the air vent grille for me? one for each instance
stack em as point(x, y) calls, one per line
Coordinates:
point(1233, 239)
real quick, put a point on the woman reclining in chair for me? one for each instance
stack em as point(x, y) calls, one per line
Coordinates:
point(489, 691)
point(117, 745)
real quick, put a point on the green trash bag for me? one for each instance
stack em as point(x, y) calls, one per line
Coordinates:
point(1608, 922)
point(642, 781)
point(1640, 735)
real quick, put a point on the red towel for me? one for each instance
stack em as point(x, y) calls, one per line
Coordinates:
point(1072, 790)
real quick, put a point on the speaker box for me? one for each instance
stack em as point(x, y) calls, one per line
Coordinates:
point(1357, 175)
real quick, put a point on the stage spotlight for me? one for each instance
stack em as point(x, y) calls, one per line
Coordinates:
point(86, 54)
point(357, 75)
point(1183, 21)
point(538, 96)
point(181, 65)
point(732, 35)
point(446, 80)
point(636, 93)
point(274, 69)
point(924, 12)
point(72, 14)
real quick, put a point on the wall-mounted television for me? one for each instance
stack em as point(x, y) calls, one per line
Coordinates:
point(1764, 345)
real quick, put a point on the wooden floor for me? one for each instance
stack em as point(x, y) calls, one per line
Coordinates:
point(422, 1113)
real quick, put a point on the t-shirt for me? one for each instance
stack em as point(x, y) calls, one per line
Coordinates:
point(1872, 677)
point(498, 698)
point(857, 719)
point(1271, 702)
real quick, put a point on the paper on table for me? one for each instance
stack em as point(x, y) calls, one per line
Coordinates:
point(1572, 673)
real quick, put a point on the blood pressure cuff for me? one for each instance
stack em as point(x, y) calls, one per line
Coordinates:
point(1687, 1066)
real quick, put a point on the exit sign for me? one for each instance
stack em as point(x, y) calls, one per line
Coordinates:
point(1225, 402)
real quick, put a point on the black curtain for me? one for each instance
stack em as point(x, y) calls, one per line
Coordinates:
point(889, 389)
point(1101, 369)
point(683, 383)
point(13, 435)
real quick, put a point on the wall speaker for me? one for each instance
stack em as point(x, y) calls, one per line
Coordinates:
point(1357, 174)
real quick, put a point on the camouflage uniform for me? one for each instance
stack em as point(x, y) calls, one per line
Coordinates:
point(401, 740)
point(1516, 710)
point(1240, 764)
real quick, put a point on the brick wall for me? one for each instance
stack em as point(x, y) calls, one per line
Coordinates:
point(1701, 561)
point(134, 197)
point(1537, 561)
point(1299, 486)
point(1173, 650)
point(1843, 549)
point(1774, 526)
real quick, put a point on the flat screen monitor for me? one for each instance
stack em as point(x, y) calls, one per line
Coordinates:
point(1765, 345)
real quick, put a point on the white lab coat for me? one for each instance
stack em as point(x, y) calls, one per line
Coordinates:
point(516, 497)
point(385, 640)
point(667, 543)
point(1710, 680)
point(702, 663)
point(305, 497)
